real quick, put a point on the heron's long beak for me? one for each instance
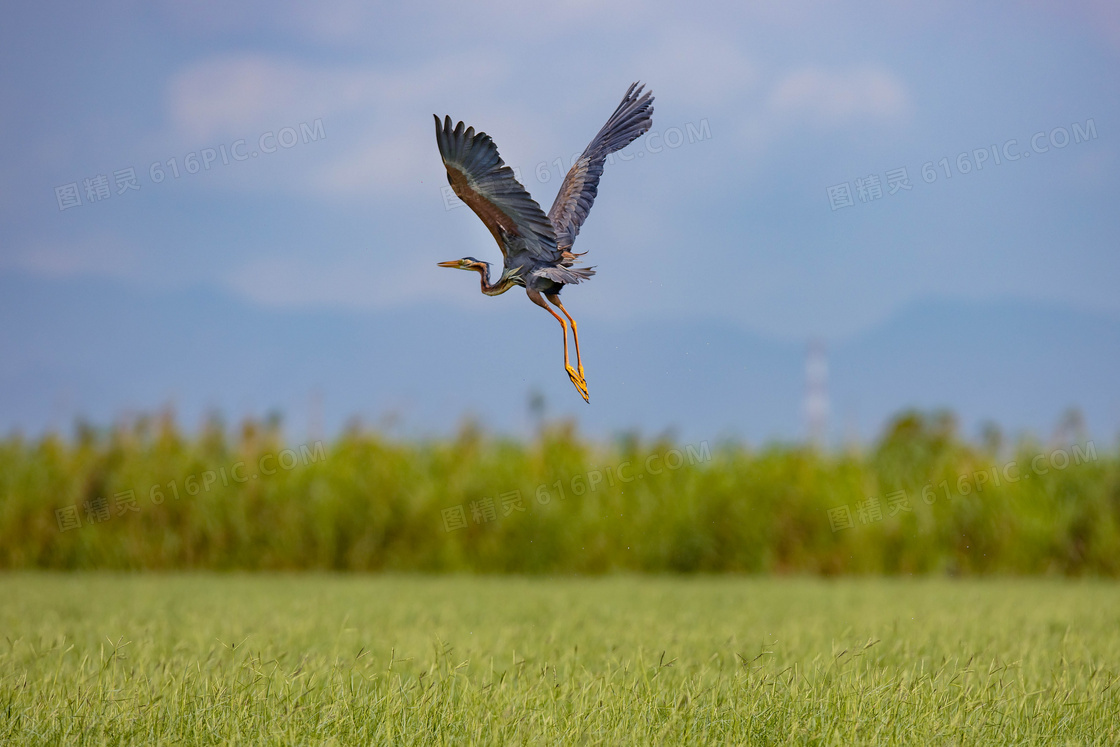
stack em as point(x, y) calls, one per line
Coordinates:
point(451, 263)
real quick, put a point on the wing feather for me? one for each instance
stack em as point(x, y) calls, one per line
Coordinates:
point(480, 178)
point(630, 120)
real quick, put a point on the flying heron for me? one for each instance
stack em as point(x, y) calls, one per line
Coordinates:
point(536, 248)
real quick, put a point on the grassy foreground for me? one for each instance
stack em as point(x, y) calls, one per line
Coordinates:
point(104, 658)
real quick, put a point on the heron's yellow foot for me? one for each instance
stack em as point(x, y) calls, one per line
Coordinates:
point(579, 382)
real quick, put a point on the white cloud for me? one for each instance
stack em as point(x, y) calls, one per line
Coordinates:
point(230, 96)
point(385, 165)
point(837, 98)
point(377, 120)
point(100, 255)
point(698, 68)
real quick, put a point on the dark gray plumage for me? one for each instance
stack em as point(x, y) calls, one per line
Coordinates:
point(632, 117)
point(535, 247)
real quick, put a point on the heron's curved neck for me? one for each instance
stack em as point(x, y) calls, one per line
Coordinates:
point(503, 285)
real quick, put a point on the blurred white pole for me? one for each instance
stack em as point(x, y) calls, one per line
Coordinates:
point(816, 393)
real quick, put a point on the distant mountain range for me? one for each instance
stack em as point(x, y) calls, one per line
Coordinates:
point(97, 348)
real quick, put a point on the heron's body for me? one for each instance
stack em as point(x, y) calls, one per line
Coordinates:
point(536, 248)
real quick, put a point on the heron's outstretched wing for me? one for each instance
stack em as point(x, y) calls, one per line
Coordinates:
point(632, 118)
point(481, 179)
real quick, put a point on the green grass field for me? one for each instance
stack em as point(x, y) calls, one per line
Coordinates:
point(96, 658)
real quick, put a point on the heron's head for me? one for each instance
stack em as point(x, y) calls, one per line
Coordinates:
point(466, 263)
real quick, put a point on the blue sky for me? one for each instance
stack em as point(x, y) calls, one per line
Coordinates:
point(734, 225)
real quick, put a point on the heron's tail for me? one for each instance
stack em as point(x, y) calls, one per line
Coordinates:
point(566, 275)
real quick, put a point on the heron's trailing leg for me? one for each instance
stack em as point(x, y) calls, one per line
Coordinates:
point(573, 374)
point(555, 299)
